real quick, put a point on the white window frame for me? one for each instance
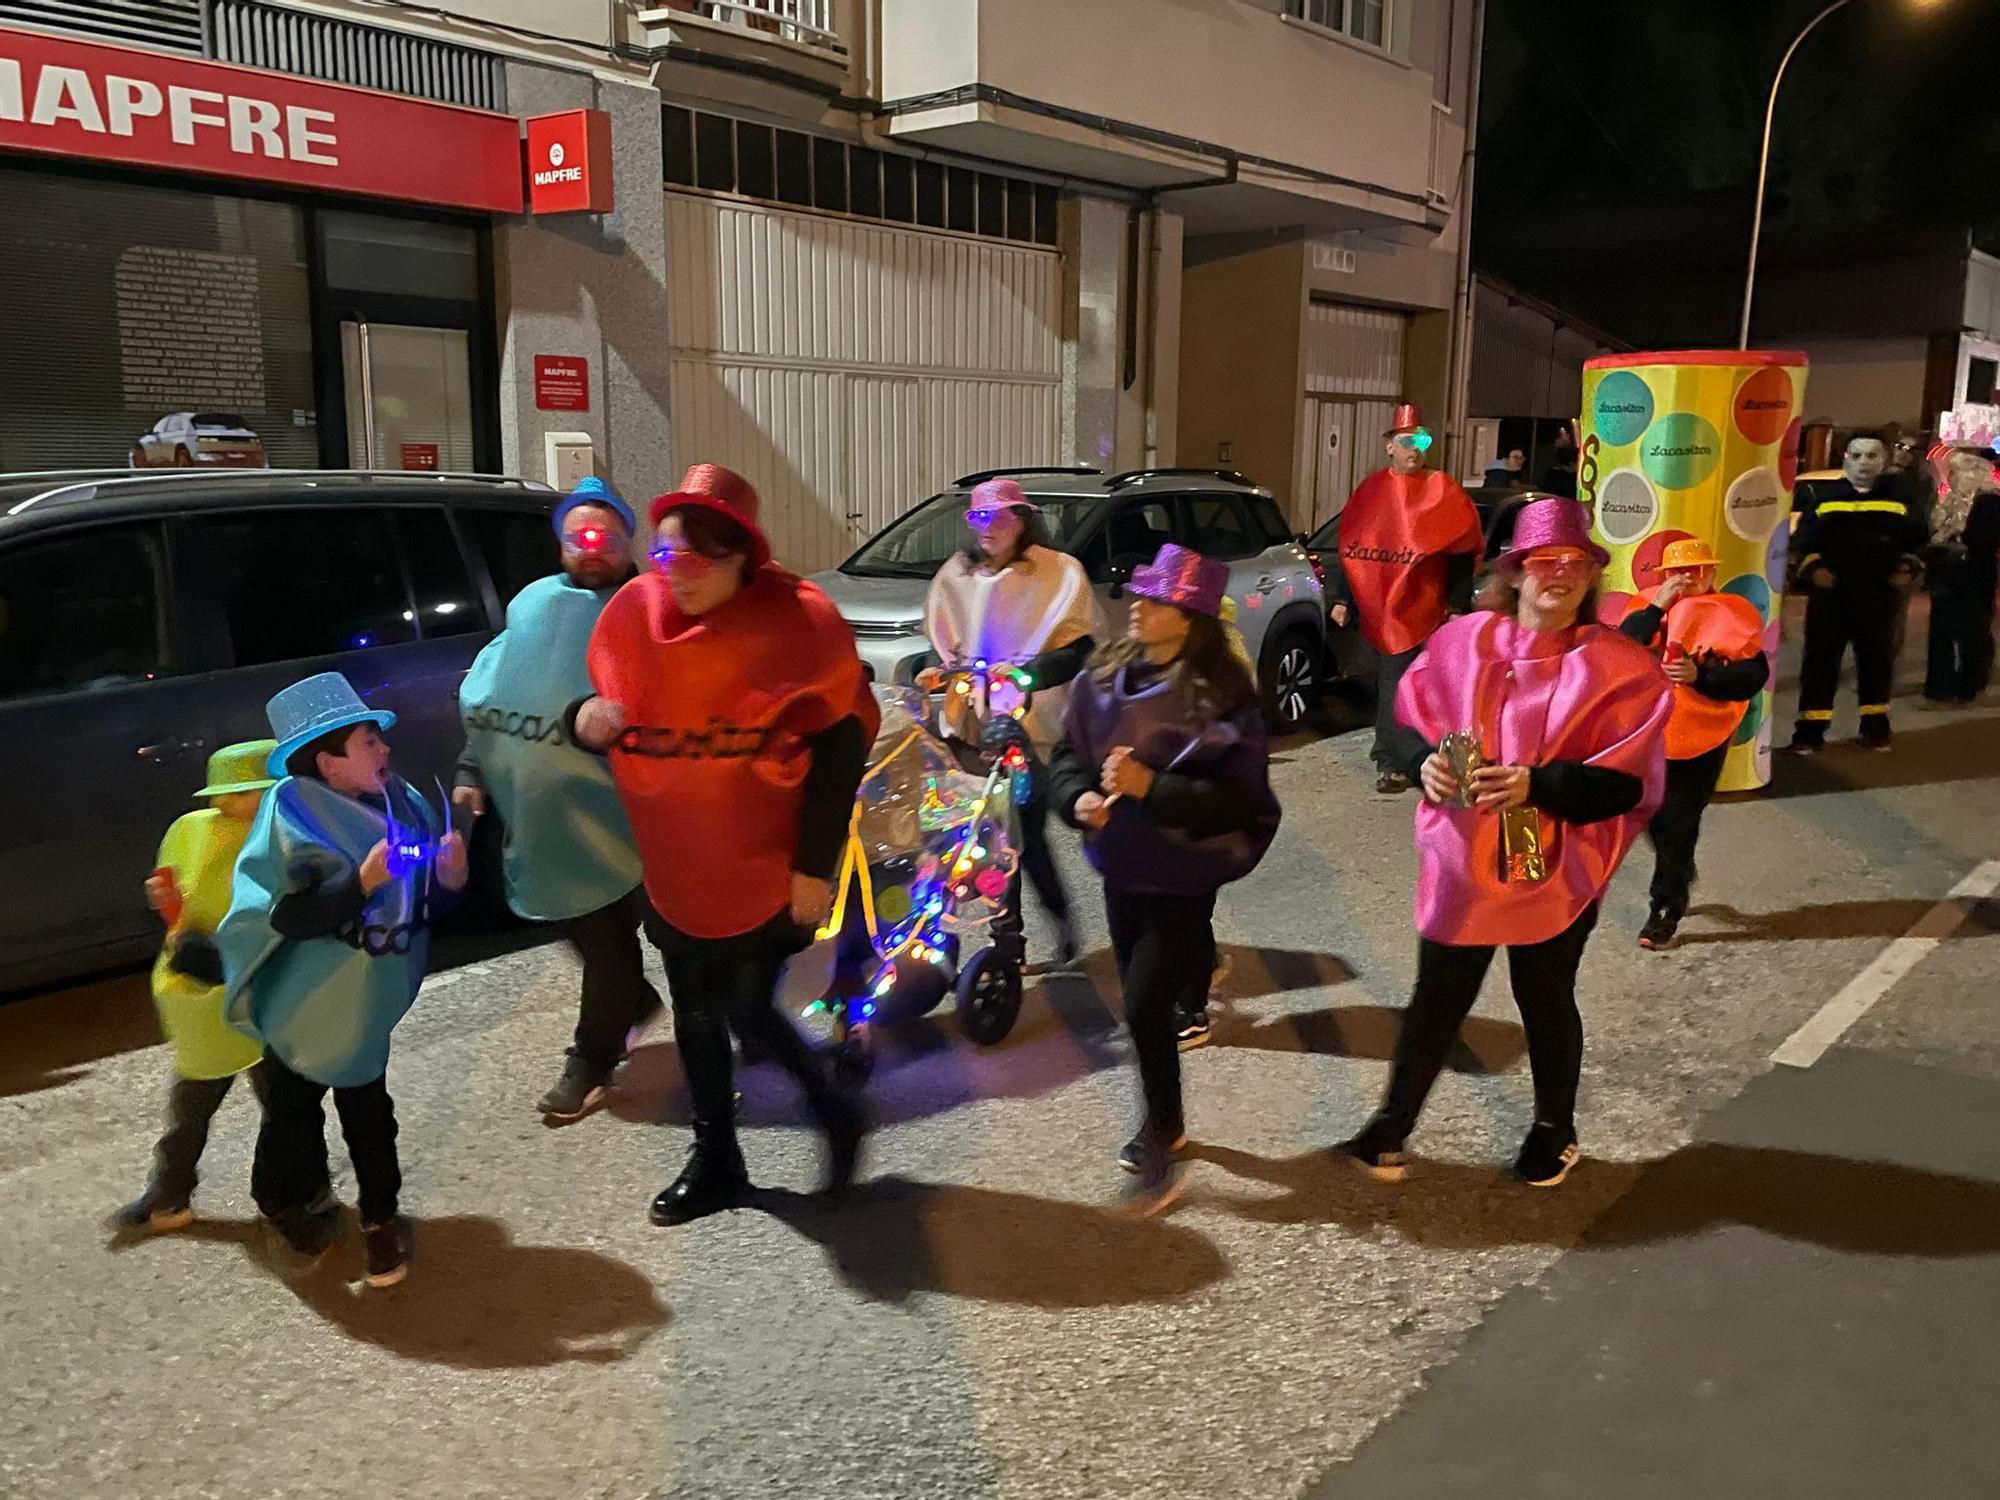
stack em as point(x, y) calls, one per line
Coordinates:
point(1296, 14)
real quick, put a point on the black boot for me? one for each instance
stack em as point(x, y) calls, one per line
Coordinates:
point(713, 1179)
point(845, 1121)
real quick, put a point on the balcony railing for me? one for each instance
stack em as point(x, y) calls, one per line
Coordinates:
point(805, 23)
point(1444, 158)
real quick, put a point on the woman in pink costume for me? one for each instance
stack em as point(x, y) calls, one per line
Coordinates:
point(1569, 719)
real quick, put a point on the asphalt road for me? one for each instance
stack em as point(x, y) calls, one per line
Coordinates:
point(979, 1320)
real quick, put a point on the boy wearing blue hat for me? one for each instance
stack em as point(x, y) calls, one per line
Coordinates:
point(569, 857)
point(324, 948)
point(189, 890)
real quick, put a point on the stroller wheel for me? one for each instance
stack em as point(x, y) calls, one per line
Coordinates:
point(854, 1058)
point(989, 996)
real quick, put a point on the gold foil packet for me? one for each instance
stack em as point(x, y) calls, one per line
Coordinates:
point(1522, 860)
point(1460, 748)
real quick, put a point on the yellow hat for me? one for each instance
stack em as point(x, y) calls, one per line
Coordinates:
point(1688, 552)
point(239, 768)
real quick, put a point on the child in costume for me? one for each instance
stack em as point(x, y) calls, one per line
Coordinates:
point(1712, 651)
point(736, 719)
point(189, 889)
point(1543, 756)
point(569, 857)
point(324, 947)
point(1163, 766)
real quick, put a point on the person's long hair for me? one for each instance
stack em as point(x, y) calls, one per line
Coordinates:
point(1501, 594)
point(1034, 533)
point(1208, 677)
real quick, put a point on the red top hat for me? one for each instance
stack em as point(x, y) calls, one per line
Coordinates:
point(727, 493)
point(1409, 417)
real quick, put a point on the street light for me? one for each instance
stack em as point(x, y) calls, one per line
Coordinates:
point(1764, 158)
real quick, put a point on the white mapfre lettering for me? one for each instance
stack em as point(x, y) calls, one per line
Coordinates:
point(560, 174)
point(119, 106)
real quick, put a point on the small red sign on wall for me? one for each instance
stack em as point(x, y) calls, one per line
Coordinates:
point(569, 163)
point(423, 456)
point(562, 383)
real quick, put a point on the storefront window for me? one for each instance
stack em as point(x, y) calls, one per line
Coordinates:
point(165, 328)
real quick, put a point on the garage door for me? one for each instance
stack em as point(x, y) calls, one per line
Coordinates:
point(1354, 378)
point(851, 369)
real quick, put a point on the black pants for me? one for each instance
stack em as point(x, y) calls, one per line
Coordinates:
point(1395, 747)
point(616, 994)
point(1677, 825)
point(1037, 862)
point(290, 1169)
point(1165, 948)
point(1836, 618)
point(1448, 980)
point(191, 1104)
point(1961, 646)
point(720, 984)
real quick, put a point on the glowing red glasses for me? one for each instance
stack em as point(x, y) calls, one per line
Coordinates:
point(683, 563)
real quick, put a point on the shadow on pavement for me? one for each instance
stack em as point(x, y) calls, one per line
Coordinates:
point(473, 1300)
point(1834, 1201)
point(892, 1237)
point(1961, 748)
point(53, 1038)
point(1368, 1032)
point(1832, 920)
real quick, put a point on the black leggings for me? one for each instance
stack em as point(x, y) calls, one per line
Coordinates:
point(1037, 862)
point(1677, 825)
point(720, 984)
point(1961, 645)
point(289, 1172)
point(1448, 980)
point(1165, 948)
point(616, 995)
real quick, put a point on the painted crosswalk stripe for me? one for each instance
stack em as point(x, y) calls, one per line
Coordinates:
point(1808, 1044)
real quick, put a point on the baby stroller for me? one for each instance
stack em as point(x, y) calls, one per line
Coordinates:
point(929, 864)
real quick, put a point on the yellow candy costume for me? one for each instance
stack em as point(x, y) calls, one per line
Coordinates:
point(201, 849)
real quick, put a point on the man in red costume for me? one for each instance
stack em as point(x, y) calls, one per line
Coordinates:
point(1711, 647)
point(736, 719)
point(1409, 543)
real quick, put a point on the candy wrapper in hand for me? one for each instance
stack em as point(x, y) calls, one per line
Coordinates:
point(1461, 751)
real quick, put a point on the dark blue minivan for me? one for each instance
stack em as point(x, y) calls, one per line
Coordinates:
point(146, 619)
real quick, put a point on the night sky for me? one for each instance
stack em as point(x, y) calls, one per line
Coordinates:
point(1617, 132)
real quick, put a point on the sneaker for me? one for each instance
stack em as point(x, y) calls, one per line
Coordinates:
point(846, 1129)
point(310, 1231)
point(1806, 744)
point(1068, 952)
point(154, 1214)
point(388, 1251)
point(1132, 1157)
point(1191, 1030)
point(1547, 1156)
point(1389, 783)
point(1374, 1152)
point(1658, 933)
point(1877, 742)
point(1157, 1182)
point(579, 1090)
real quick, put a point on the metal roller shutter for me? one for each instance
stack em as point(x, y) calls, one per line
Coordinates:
point(1354, 377)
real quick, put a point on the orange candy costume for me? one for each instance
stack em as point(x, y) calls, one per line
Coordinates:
point(1723, 626)
point(1397, 536)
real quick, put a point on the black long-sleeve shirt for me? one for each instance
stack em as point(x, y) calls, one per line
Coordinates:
point(1571, 790)
point(1724, 681)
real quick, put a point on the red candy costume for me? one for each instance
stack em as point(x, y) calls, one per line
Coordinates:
point(711, 767)
point(1725, 626)
point(1396, 538)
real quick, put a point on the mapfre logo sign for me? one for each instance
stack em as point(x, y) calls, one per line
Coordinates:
point(569, 163)
point(60, 97)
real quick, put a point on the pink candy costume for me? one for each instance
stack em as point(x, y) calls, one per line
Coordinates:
point(1584, 694)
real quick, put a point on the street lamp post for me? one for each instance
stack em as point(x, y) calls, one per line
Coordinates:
point(1763, 166)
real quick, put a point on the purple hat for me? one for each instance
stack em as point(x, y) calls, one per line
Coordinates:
point(1184, 579)
point(1554, 522)
point(1000, 494)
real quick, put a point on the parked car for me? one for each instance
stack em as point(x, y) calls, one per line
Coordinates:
point(146, 619)
point(1348, 657)
point(1111, 525)
point(199, 439)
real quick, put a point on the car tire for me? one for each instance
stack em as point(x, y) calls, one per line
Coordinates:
point(1290, 681)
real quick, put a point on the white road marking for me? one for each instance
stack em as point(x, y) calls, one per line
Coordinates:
point(1808, 1044)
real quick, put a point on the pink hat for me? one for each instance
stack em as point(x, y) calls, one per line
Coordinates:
point(728, 494)
point(1554, 522)
point(998, 493)
point(1182, 578)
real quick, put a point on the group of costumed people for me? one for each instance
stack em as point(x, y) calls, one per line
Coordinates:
point(675, 753)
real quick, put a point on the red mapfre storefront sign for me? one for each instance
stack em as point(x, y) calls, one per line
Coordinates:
point(117, 104)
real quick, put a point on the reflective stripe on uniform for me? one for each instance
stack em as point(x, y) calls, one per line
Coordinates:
point(1871, 708)
point(1849, 507)
point(1815, 715)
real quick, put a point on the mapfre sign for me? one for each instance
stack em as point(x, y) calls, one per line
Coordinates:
point(60, 97)
point(569, 163)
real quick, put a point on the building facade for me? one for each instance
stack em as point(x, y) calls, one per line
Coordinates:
point(853, 248)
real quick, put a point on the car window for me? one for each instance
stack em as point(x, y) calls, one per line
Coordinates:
point(1132, 534)
point(302, 583)
point(447, 602)
point(518, 547)
point(79, 613)
point(1267, 521)
point(1216, 526)
point(917, 544)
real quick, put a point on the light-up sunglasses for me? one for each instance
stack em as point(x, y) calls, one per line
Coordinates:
point(681, 562)
point(1420, 440)
point(1558, 565)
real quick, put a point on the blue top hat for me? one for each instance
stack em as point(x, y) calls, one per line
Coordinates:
point(313, 707)
point(590, 490)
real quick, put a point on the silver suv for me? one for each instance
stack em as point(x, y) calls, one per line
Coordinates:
point(1111, 525)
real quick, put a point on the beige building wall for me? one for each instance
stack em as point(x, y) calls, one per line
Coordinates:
point(1241, 322)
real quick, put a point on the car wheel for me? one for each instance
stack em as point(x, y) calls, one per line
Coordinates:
point(1290, 681)
point(183, 459)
